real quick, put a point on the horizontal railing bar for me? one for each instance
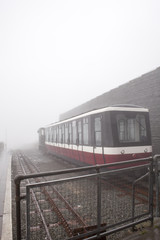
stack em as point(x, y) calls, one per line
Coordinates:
point(18, 178)
point(48, 183)
point(34, 185)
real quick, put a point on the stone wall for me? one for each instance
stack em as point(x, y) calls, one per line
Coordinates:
point(143, 91)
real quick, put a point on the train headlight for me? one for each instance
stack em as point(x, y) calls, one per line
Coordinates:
point(122, 152)
point(146, 150)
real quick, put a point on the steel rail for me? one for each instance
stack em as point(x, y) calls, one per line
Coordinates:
point(59, 214)
point(37, 205)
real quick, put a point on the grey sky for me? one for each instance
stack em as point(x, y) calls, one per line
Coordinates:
point(55, 55)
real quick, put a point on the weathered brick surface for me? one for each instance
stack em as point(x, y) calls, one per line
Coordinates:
point(143, 91)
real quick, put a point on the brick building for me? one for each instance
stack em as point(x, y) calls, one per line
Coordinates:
point(143, 91)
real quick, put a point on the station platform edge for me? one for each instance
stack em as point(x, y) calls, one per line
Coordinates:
point(7, 212)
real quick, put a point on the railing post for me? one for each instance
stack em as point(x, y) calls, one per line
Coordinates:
point(133, 194)
point(157, 185)
point(98, 200)
point(133, 204)
point(151, 191)
point(28, 212)
point(18, 211)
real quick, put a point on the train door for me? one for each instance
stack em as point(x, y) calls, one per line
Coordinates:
point(62, 140)
point(98, 143)
point(79, 140)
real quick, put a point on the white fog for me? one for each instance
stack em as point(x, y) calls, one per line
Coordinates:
point(56, 55)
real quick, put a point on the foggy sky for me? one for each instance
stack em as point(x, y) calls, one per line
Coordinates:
point(56, 55)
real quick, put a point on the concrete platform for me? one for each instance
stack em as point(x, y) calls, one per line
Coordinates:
point(5, 197)
point(146, 232)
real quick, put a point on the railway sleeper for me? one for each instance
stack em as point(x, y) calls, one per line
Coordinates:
point(81, 230)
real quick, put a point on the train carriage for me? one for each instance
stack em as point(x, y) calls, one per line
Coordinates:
point(107, 135)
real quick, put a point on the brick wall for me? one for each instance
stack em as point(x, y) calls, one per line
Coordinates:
point(143, 91)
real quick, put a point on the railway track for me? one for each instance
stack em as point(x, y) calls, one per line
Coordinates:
point(28, 167)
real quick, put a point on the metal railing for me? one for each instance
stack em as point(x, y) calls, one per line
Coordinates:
point(108, 198)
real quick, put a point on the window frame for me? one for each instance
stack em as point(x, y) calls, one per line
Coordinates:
point(84, 123)
point(79, 133)
point(99, 116)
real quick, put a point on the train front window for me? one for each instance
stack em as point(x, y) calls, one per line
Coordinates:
point(131, 127)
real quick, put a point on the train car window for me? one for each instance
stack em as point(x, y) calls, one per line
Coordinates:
point(66, 133)
point(74, 132)
point(79, 133)
point(54, 134)
point(62, 137)
point(70, 134)
point(60, 134)
point(42, 132)
point(85, 131)
point(57, 134)
point(50, 134)
point(46, 134)
point(97, 131)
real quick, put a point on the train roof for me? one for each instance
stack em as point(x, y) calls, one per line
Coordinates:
point(117, 107)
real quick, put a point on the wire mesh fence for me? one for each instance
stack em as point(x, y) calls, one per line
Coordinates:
point(84, 206)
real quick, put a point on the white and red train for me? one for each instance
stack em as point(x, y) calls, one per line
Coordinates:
point(107, 135)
